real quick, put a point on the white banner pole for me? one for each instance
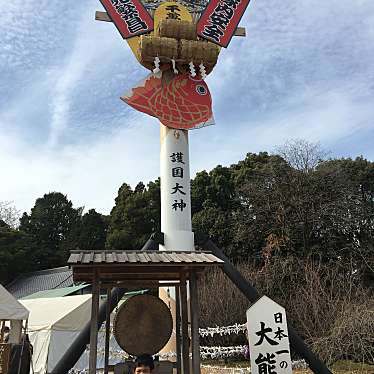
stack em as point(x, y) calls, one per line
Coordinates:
point(175, 206)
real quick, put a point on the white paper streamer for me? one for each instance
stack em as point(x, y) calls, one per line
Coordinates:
point(222, 352)
point(174, 66)
point(202, 71)
point(224, 330)
point(192, 69)
point(157, 65)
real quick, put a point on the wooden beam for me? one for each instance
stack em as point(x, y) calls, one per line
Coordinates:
point(94, 322)
point(103, 16)
point(184, 322)
point(139, 283)
point(107, 331)
point(194, 304)
point(178, 328)
point(136, 267)
point(240, 31)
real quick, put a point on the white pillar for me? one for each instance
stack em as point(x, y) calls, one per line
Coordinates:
point(175, 206)
point(175, 190)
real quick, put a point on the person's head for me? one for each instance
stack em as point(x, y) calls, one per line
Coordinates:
point(144, 364)
point(6, 334)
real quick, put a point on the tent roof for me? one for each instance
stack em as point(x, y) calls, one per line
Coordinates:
point(10, 308)
point(67, 313)
point(58, 292)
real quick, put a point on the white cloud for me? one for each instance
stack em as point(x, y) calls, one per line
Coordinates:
point(305, 70)
point(328, 117)
point(90, 174)
point(88, 51)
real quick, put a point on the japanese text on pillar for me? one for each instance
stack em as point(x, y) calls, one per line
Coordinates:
point(177, 172)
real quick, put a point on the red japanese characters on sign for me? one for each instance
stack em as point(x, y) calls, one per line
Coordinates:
point(129, 16)
point(220, 20)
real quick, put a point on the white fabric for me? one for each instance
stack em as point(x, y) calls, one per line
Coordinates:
point(40, 341)
point(10, 308)
point(54, 323)
point(59, 313)
point(60, 342)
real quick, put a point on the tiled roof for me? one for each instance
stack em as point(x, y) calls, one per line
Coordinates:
point(29, 283)
point(58, 292)
point(141, 257)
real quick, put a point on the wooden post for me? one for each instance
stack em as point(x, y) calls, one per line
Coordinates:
point(107, 331)
point(2, 325)
point(194, 304)
point(184, 315)
point(94, 322)
point(178, 328)
point(103, 16)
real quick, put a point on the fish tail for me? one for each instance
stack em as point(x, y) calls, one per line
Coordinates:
point(141, 95)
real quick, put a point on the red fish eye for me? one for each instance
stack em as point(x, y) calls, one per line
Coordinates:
point(201, 90)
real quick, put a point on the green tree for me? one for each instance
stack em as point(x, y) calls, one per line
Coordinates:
point(358, 175)
point(15, 251)
point(136, 215)
point(9, 214)
point(48, 225)
point(90, 232)
point(222, 209)
point(302, 205)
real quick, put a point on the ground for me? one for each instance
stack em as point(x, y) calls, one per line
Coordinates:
point(343, 367)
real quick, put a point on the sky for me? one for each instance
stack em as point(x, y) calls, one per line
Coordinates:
point(305, 70)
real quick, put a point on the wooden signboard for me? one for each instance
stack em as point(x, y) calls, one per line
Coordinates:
point(129, 16)
point(4, 358)
point(220, 20)
point(268, 338)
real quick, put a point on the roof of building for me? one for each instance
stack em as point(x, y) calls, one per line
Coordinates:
point(29, 283)
point(143, 257)
point(139, 266)
point(58, 292)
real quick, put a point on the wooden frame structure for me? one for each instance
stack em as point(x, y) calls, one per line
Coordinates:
point(134, 269)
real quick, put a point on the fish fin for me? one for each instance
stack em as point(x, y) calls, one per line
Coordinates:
point(139, 96)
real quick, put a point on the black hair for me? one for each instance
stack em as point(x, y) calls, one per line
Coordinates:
point(144, 360)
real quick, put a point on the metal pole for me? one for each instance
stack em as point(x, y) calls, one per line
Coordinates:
point(195, 337)
point(315, 364)
point(107, 332)
point(94, 327)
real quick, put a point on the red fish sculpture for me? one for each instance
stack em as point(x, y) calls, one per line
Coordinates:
point(182, 103)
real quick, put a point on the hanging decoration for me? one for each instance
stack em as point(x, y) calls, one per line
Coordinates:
point(175, 38)
point(225, 369)
point(225, 330)
point(156, 70)
point(130, 17)
point(220, 20)
point(221, 352)
point(184, 102)
point(175, 93)
point(237, 328)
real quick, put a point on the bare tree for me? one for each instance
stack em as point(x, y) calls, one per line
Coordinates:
point(9, 213)
point(302, 155)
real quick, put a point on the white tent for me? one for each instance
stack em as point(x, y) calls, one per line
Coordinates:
point(54, 323)
point(10, 308)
